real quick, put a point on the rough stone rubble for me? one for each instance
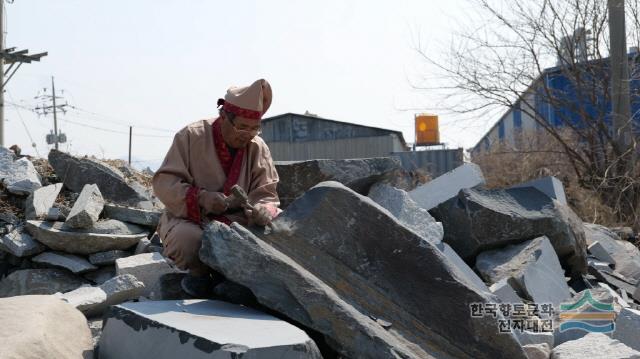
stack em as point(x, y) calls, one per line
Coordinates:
point(361, 264)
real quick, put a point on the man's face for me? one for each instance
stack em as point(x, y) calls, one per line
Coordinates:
point(241, 131)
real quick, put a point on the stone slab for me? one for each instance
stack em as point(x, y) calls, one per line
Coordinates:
point(597, 250)
point(39, 281)
point(146, 267)
point(77, 172)
point(105, 235)
point(447, 186)
point(628, 328)
point(594, 345)
point(296, 177)
point(551, 186)
point(108, 257)
point(533, 266)
point(401, 206)
point(143, 217)
point(18, 176)
point(625, 255)
point(73, 263)
point(199, 329)
point(335, 262)
point(505, 293)
point(20, 243)
point(101, 275)
point(478, 220)
point(94, 301)
point(86, 209)
point(39, 202)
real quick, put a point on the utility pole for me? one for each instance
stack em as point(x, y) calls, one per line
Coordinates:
point(10, 57)
point(55, 112)
point(619, 62)
point(130, 138)
point(55, 137)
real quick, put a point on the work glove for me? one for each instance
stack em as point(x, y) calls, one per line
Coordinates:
point(212, 202)
point(259, 215)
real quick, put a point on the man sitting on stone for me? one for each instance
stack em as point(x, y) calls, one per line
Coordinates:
point(205, 160)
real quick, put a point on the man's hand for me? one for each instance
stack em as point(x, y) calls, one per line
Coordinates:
point(212, 202)
point(259, 215)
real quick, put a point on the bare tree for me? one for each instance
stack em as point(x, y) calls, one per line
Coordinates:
point(511, 58)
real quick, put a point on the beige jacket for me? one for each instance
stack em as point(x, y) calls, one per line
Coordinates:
point(192, 160)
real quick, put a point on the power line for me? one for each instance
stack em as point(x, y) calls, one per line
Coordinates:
point(121, 123)
point(33, 143)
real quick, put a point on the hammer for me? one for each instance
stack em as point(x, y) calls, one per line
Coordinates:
point(240, 194)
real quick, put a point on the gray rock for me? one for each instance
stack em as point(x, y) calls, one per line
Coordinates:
point(103, 236)
point(358, 174)
point(625, 255)
point(200, 329)
point(534, 338)
point(54, 215)
point(447, 186)
point(550, 186)
point(101, 275)
point(108, 257)
point(597, 250)
point(20, 244)
point(87, 208)
point(465, 273)
point(39, 281)
point(147, 267)
point(18, 176)
point(594, 346)
point(143, 246)
point(95, 300)
point(77, 172)
point(337, 263)
point(73, 263)
point(532, 266)
point(401, 206)
point(478, 220)
point(628, 327)
point(537, 351)
point(41, 200)
point(504, 291)
point(149, 218)
point(42, 326)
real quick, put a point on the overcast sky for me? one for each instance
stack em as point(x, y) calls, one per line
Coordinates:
point(159, 65)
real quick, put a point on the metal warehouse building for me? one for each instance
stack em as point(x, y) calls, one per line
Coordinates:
point(294, 137)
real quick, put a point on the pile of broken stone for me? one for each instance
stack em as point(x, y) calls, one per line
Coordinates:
point(359, 265)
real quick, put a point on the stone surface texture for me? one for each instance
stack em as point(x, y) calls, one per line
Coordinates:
point(104, 236)
point(594, 346)
point(41, 201)
point(77, 172)
point(478, 220)
point(39, 281)
point(336, 262)
point(197, 329)
point(42, 326)
point(358, 174)
point(441, 189)
point(20, 243)
point(73, 263)
point(143, 217)
point(86, 209)
point(531, 266)
point(146, 267)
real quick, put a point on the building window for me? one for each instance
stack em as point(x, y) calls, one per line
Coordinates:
point(501, 130)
